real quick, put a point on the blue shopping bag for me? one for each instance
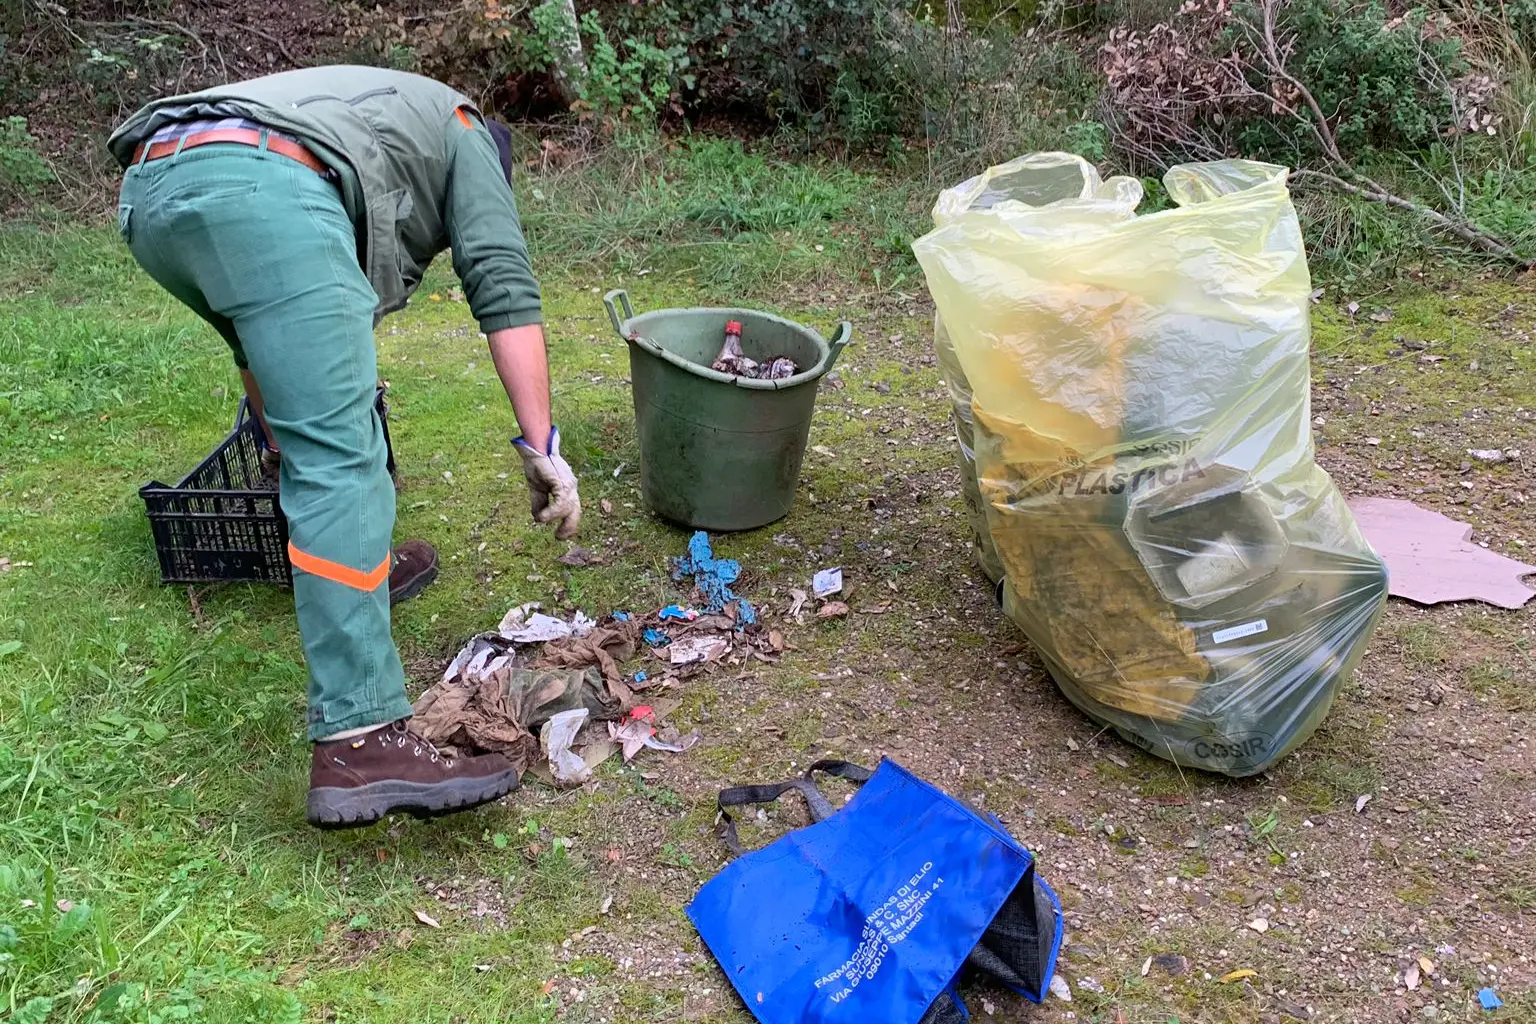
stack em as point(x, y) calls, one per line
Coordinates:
point(876, 913)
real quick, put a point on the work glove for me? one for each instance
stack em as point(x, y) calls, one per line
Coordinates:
point(551, 486)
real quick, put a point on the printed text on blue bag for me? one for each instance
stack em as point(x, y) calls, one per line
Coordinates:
point(893, 922)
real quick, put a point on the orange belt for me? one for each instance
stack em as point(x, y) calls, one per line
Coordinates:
point(239, 136)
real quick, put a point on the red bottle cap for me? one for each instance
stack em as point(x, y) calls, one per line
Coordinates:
point(733, 327)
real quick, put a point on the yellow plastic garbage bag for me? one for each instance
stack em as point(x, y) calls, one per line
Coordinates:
point(1035, 181)
point(1143, 454)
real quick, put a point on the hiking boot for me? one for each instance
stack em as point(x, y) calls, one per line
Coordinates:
point(357, 781)
point(415, 567)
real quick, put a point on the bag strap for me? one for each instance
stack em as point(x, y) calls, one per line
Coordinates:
point(816, 802)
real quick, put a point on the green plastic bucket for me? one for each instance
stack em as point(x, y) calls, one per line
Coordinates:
point(718, 452)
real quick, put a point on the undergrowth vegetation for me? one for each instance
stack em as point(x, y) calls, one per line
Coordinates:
point(1412, 123)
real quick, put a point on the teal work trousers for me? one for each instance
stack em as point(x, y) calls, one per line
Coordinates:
point(260, 246)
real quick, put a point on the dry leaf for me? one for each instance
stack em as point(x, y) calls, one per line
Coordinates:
point(797, 602)
point(1426, 965)
point(1361, 801)
point(1072, 744)
point(1382, 316)
point(607, 905)
point(1411, 976)
point(427, 919)
point(1146, 967)
point(1259, 925)
point(579, 557)
point(832, 610)
point(606, 506)
point(1230, 977)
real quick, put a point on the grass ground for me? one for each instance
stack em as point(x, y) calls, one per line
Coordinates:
point(154, 863)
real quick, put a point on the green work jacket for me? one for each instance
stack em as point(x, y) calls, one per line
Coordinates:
point(417, 168)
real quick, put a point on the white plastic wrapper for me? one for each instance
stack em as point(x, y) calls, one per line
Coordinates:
point(1143, 450)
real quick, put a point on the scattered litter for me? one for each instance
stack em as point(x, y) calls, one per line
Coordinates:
point(1411, 976)
point(713, 578)
point(832, 610)
point(676, 612)
point(1072, 745)
point(697, 649)
point(526, 625)
point(606, 506)
point(639, 730)
point(607, 906)
point(1231, 976)
point(500, 713)
point(1487, 454)
point(1060, 989)
point(641, 676)
point(427, 919)
point(797, 599)
point(1430, 557)
point(1146, 967)
point(654, 637)
point(1090, 985)
point(578, 557)
point(1259, 925)
point(1490, 999)
point(622, 616)
point(827, 583)
point(604, 647)
point(559, 734)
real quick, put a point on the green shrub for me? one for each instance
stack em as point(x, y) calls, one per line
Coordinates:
point(23, 171)
point(1389, 78)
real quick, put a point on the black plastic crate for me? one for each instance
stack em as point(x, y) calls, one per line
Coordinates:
point(220, 524)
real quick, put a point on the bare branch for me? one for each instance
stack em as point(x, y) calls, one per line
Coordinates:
point(282, 47)
point(1276, 66)
point(1467, 232)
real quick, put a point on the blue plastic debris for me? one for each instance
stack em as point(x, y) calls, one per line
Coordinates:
point(641, 677)
point(677, 613)
point(655, 638)
point(1490, 999)
point(714, 576)
point(622, 616)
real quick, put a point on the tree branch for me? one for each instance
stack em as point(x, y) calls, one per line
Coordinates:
point(282, 47)
point(1469, 233)
point(1320, 126)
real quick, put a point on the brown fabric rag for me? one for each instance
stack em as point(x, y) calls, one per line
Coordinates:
point(503, 714)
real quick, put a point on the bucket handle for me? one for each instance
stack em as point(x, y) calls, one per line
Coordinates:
point(622, 297)
point(835, 347)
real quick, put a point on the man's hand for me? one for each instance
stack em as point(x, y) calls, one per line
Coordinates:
point(551, 486)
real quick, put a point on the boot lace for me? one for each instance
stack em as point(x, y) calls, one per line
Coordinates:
point(405, 736)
